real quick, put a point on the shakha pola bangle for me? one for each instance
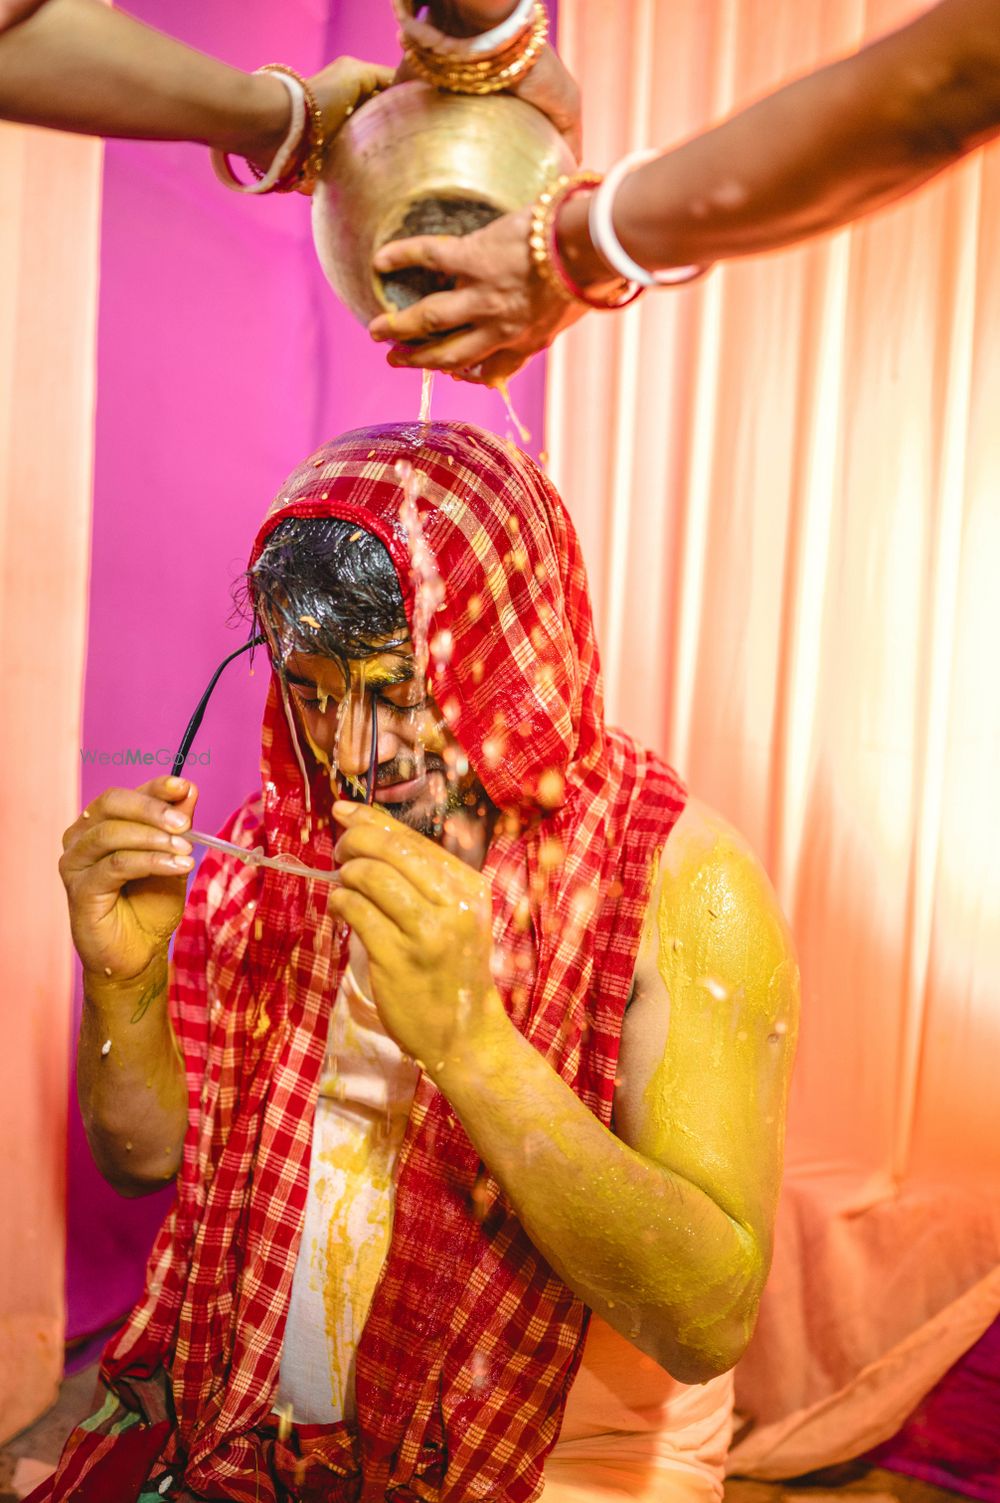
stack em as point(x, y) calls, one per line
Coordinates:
point(269, 180)
point(607, 244)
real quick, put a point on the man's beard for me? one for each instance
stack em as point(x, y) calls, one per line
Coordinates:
point(440, 798)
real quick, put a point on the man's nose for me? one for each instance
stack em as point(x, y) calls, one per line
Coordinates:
point(354, 748)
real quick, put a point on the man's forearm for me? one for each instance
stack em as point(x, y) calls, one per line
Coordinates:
point(649, 1251)
point(78, 65)
point(816, 154)
point(130, 1080)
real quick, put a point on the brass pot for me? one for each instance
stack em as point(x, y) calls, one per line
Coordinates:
point(415, 160)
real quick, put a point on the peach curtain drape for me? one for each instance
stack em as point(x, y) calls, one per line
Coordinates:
point(50, 189)
point(787, 480)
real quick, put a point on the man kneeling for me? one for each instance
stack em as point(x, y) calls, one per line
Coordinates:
point(477, 1151)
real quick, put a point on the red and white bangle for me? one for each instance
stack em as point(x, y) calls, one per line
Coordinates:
point(282, 157)
point(605, 241)
point(544, 249)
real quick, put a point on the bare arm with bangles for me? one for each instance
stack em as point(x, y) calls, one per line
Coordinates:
point(818, 153)
point(78, 65)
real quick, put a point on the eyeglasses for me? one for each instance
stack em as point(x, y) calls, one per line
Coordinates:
point(256, 856)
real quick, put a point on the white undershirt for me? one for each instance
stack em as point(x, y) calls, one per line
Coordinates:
point(628, 1425)
point(365, 1095)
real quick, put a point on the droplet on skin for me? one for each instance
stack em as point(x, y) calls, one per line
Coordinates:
point(105, 1048)
point(729, 195)
point(107, 970)
point(714, 987)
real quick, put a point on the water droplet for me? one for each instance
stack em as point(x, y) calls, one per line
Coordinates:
point(522, 432)
point(550, 854)
point(442, 646)
point(551, 787)
point(105, 1048)
point(284, 1422)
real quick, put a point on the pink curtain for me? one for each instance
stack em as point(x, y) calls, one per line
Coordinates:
point(223, 358)
point(48, 300)
point(786, 480)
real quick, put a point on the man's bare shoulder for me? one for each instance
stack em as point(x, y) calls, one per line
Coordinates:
point(709, 1036)
point(710, 895)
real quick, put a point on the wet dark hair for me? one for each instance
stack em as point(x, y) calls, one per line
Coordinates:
point(325, 586)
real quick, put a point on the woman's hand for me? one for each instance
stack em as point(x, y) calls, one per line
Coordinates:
point(344, 85)
point(501, 309)
point(549, 85)
point(424, 918)
point(124, 865)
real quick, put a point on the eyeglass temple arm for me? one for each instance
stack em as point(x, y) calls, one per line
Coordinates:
point(195, 722)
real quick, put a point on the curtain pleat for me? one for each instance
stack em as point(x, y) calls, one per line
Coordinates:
point(48, 294)
point(786, 479)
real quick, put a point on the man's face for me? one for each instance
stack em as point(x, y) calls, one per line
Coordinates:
point(423, 777)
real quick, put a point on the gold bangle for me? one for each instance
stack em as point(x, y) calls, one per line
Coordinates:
point(543, 213)
point(487, 75)
point(544, 252)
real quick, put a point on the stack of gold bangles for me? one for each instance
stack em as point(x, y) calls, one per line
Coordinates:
point(544, 247)
point(298, 161)
point(308, 163)
point(469, 74)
